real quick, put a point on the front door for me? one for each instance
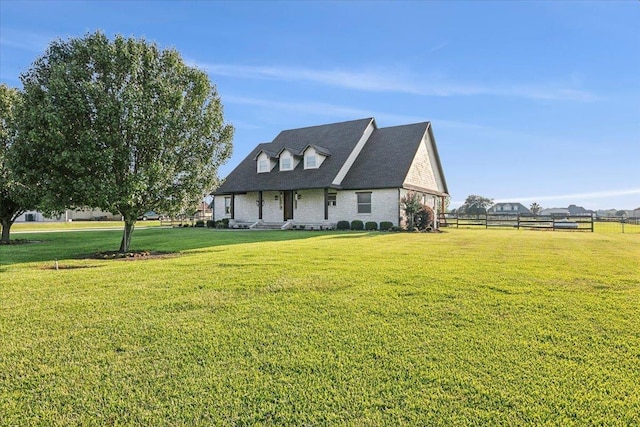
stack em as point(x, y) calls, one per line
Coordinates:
point(288, 205)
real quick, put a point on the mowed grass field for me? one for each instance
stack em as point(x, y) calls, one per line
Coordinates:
point(465, 327)
point(21, 227)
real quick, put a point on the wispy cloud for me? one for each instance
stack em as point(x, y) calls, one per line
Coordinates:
point(380, 80)
point(438, 47)
point(328, 110)
point(25, 40)
point(383, 118)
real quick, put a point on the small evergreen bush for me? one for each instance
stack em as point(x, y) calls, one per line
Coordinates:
point(386, 225)
point(211, 223)
point(356, 224)
point(342, 225)
point(223, 223)
point(371, 226)
point(199, 223)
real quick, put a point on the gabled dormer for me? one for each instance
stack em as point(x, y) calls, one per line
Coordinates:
point(265, 161)
point(314, 155)
point(289, 159)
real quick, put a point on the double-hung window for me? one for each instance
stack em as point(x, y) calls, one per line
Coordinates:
point(285, 164)
point(310, 162)
point(364, 203)
point(227, 205)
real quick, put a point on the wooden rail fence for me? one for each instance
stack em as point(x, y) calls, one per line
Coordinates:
point(518, 221)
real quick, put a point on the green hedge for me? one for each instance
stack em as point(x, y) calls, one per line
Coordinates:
point(386, 225)
point(342, 225)
point(356, 224)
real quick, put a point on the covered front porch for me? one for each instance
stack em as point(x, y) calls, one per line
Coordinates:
point(276, 209)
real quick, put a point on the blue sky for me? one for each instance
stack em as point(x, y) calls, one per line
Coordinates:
point(529, 101)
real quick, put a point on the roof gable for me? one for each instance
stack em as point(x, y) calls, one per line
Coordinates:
point(388, 157)
point(320, 150)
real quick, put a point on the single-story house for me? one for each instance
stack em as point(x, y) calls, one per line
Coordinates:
point(85, 214)
point(316, 176)
point(555, 211)
point(508, 209)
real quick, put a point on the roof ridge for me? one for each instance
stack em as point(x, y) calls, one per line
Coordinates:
point(368, 119)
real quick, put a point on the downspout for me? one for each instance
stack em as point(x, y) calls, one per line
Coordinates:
point(399, 197)
point(233, 207)
point(436, 213)
point(326, 204)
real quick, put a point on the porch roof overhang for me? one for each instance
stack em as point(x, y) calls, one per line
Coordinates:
point(424, 190)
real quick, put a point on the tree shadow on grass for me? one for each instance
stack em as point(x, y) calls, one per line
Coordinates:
point(167, 241)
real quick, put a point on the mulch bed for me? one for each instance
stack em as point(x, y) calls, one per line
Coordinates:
point(21, 242)
point(129, 256)
point(110, 255)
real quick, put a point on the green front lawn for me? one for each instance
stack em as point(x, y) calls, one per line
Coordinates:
point(466, 327)
point(74, 225)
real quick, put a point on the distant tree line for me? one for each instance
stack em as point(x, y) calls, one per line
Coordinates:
point(478, 205)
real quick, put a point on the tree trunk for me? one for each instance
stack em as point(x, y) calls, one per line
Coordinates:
point(6, 227)
point(126, 236)
point(410, 218)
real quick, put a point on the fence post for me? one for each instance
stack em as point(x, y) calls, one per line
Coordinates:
point(518, 221)
point(622, 223)
point(486, 220)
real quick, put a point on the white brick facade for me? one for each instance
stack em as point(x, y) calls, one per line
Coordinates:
point(421, 172)
point(384, 206)
point(309, 207)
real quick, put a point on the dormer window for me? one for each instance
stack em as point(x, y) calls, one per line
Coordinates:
point(265, 161)
point(285, 163)
point(310, 162)
point(314, 156)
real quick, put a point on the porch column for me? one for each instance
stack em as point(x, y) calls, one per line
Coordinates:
point(260, 202)
point(232, 207)
point(326, 204)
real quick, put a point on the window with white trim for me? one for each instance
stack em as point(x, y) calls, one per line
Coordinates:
point(227, 205)
point(331, 199)
point(310, 162)
point(285, 164)
point(263, 165)
point(364, 203)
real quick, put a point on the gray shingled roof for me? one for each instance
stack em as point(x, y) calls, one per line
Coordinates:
point(383, 162)
point(386, 158)
point(520, 208)
point(339, 139)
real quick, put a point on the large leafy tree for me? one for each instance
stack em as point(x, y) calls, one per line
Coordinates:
point(476, 205)
point(120, 125)
point(15, 197)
